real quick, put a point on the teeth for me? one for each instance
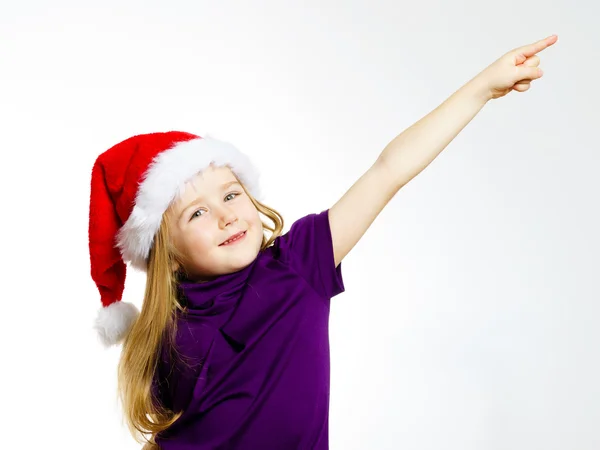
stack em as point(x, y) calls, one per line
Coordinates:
point(231, 240)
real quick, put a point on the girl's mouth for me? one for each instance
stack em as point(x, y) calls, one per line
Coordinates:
point(234, 239)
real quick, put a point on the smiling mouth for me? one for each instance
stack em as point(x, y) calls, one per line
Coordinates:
point(233, 239)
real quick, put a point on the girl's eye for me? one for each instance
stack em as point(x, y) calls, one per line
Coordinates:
point(196, 214)
point(235, 194)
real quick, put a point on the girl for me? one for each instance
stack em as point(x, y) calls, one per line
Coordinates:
point(230, 349)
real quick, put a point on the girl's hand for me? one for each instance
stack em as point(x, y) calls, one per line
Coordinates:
point(513, 71)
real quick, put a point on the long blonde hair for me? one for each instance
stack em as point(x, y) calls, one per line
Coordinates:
point(142, 346)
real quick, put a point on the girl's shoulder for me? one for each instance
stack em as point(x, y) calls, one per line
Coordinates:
point(307, 249)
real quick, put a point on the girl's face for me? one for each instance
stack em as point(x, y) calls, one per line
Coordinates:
point(214, 208)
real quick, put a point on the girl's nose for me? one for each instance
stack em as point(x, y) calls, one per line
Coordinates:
point(227, 217)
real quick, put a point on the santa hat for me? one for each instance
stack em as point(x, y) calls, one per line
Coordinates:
point(132, 185)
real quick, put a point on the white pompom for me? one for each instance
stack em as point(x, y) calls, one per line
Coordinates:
point(114, 322)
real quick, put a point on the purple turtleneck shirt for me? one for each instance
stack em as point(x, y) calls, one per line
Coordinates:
point(252, 370)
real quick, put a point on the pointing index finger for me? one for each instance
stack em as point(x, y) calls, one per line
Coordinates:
point(532, 49)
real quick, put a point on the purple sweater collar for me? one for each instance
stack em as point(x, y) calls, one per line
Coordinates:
point(215, 295)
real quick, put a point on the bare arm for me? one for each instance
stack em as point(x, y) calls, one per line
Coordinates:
point(414, 149)
point(417, 146)
point(400, 161)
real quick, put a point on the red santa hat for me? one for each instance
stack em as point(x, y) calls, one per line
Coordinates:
point(133, 183)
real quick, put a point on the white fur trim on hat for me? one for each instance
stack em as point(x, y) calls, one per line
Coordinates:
point(114, 321)
point(165, 180)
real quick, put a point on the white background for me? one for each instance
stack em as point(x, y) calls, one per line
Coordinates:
point(470, 314)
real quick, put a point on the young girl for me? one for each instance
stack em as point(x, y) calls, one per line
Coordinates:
point(231, 348)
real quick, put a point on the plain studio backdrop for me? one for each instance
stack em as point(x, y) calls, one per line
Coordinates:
point(470, 314)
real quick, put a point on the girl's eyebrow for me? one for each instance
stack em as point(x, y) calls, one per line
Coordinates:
point(197, 200)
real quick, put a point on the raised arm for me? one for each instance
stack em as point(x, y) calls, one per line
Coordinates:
point(416, 147)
